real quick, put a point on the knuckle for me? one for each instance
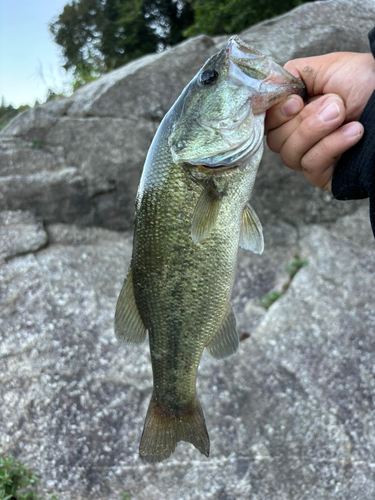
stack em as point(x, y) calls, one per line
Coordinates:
point(313, 129)
point(310, 162)
point(307, 164)
point(315, 161)
point(304, 133)
point(272, 143)
point(285, 157)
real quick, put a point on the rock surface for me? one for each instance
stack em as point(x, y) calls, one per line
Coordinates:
point(20, 233)
point(313, 29)
point(79, 160)
point(291, 416)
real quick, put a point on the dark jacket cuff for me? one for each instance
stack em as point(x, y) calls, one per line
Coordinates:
point(354, 175)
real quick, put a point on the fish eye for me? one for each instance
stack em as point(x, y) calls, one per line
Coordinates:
point(209, 76)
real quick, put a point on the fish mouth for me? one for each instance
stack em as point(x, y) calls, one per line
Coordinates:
point(229, 142)
point(269, 81)
point(268, 84)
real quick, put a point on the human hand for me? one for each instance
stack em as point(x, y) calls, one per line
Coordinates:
point(312, 138)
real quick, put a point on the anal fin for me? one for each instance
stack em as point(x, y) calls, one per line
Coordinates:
point(251, 236)
point(129, 327)
point(205, 213)
point(226, 340)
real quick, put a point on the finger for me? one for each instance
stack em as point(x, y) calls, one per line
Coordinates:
point(319, 162)
point(276, 138)
point(311, 130)
point(309, 70)
point(283, 112)
point(333, 73)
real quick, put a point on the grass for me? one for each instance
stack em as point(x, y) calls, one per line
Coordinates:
point(269, 299)
point(17, 482)
point(292, 269)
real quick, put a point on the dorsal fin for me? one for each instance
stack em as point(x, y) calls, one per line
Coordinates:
point(251, 237)
point(129, 327)
point(205, 213)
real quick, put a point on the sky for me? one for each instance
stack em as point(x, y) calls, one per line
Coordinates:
point(30, 62)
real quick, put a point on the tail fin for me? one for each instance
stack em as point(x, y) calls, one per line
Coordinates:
point(162, 432)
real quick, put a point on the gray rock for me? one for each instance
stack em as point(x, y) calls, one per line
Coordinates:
point(63, 193)
point(85, 154)
point(280, 194)
point(290, 416)
point(315, 28)
point(147, 87)
point(20, 233)
point(32, 124)
point(110, 164)
point(259, 275)
point(355, 228)
point(79, 160)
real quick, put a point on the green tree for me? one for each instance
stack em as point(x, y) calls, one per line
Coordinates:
point(219, 17)
point(8, 112)
point(100, 35)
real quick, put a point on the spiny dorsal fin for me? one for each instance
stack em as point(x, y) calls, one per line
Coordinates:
point(226, 341)
point(129, 327)
point(251, 237)
point(162, 431)
point(205, 213)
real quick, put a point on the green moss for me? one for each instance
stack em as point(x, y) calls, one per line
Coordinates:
point(292, 269)
point(269, 299)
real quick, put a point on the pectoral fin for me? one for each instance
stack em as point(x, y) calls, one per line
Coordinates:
point(251, 237)
point(129, 327)
point(205, 213)
point(226, 341)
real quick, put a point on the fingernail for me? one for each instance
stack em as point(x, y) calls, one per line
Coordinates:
point(330, 112)
point(290, 107)
point(352, 130)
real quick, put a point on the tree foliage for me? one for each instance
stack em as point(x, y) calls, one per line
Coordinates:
point(100, 35)
point(7, 113)
point(220, 17)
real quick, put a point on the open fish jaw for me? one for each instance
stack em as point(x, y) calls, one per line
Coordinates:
point(218, 116)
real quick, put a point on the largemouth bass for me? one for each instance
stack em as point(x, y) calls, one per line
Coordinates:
point(192, 214)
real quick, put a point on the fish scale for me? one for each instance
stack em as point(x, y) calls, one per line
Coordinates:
point(185, 267)
point(192, 214)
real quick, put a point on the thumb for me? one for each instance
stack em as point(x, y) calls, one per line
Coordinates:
point(313, 71)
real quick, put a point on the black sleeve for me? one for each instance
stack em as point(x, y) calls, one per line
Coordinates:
point(354, 175)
